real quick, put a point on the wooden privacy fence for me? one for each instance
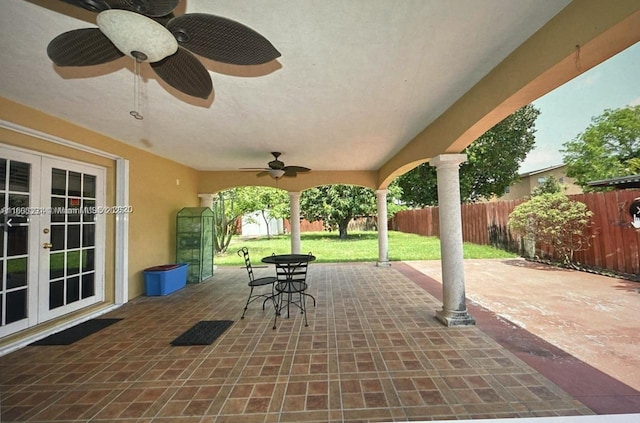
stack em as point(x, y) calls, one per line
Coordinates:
point(615, 246)
point(359, 224)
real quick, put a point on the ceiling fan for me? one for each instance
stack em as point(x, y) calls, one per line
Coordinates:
point(277, 169)
point(147, 31)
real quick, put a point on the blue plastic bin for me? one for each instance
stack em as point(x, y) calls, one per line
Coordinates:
point(165, 279)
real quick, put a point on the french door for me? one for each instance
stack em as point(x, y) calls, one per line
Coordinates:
point(51, 238)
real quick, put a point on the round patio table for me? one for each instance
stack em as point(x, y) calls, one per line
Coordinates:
point(291, 273)
point(288, 258)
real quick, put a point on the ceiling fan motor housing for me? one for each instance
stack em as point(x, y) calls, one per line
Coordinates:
point(276, 164)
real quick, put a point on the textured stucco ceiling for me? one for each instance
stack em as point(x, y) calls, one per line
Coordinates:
point(356, 82)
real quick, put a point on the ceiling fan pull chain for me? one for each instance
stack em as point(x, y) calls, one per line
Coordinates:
point(137, 90)
point(142, 92)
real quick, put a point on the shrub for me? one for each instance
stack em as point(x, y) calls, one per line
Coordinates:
point(555, 220)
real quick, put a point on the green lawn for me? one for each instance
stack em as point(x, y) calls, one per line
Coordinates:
point(361, 246)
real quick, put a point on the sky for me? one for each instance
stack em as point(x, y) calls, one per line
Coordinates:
point(567, 111)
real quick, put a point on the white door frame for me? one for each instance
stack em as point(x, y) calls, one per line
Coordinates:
point(32, 243)
point(122, 225)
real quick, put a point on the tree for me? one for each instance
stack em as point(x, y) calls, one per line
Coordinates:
point(394, 204)
point(549, 186)
point(608, 148)
point(492, 163)
point(336, 205)
point(270, 203)
point(225, 214)
point(232, 204)
point(555, 220)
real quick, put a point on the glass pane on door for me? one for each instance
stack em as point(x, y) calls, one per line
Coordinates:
point(15, 200)
point(72, 245)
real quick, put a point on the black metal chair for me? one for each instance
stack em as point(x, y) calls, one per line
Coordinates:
point(255, 283)
point(291, 287)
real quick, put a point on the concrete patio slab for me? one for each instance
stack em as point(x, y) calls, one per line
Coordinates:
point(588, 318)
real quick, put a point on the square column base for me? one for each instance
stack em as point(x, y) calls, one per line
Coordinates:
point(455, 318)
point(383, 264)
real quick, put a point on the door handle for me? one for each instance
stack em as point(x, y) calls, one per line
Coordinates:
point(47, 245)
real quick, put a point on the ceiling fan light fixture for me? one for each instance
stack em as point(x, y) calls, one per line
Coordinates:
point(136, 35)
point(276, 173)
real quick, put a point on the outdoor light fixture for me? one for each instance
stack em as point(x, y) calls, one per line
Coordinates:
point(276, 173)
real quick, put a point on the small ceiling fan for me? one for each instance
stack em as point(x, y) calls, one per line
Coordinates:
point(147, 31)
point(277, 168)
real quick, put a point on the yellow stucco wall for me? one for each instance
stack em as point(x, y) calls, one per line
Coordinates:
point(154, 192)
point(211, 182)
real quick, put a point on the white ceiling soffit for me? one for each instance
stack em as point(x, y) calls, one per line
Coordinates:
point(357, 80)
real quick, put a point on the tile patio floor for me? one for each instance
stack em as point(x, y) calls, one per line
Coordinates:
point(372, 352)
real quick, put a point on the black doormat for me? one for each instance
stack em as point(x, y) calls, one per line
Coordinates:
point(203, 333)
point(76, 333)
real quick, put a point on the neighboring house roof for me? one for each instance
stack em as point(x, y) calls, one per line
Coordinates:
point(623, 182)
point(529, 180)
point(546, 169)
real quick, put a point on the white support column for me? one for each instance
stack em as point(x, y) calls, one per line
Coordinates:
point(206, 200)
point(383, 235)
point(454, 307)
point(294, 201)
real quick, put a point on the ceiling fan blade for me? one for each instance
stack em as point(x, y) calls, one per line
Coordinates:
point(91, 5)
point(151, 8)
point(222, 39)
point(290, 173)
point(296, 169)
point(184, 72)
point(82, 47)
point(163, 20)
